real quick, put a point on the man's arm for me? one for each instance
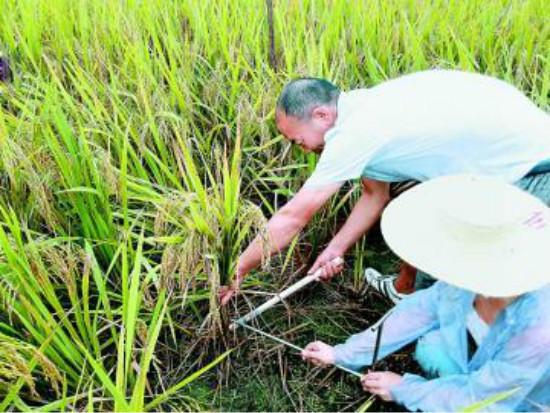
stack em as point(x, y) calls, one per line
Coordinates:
point(365, 213)
point(282, 228)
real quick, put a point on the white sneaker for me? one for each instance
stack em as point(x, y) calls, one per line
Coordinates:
point(383, 284)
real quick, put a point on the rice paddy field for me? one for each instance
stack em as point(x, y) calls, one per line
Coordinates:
point(139, 156)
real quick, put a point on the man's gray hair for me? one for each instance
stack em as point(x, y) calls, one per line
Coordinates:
point(301, 96)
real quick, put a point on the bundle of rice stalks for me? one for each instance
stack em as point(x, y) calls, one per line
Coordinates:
point(214, 224)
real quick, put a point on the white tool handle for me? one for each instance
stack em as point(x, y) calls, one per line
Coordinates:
point(283, 294)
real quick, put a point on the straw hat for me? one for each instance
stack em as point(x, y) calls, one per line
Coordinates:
point(476, 233)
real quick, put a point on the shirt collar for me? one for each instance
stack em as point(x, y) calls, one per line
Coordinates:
point(342, 109)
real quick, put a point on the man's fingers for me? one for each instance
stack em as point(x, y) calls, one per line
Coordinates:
point(226, 294)
point(368, 378)
point(371, 382)
point(317, 362)
point(313, 353)
point(306, 353)
point(327, 267)
point(314, 267)
point(337, 268)
point(313, 346)
point(380, 383)
point(225, 299)
point(327, 273)
point(333, 269)
point(311, 356)
point(330, 270)
point(369, 387)
point(372, 389)
point(323, 274)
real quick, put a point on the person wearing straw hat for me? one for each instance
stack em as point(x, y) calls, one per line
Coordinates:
point(415, 127)
point(483, 329)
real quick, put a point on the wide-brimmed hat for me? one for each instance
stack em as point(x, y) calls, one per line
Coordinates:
point(477, 233)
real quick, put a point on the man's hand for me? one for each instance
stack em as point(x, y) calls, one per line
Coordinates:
point(324, 261)
point(365, 213)
point(381, 383)
point(318, 353)
point(228, 291)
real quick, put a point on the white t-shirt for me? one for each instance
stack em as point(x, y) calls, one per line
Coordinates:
point(476, 326)
point(434, 123)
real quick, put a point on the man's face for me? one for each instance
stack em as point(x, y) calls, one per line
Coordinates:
point(308, 133)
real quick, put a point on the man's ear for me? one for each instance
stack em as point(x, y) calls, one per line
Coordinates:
point(324, 114)
point(320, 112)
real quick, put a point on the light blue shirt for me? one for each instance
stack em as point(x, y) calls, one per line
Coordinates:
point(514, 354)
point(433, 123)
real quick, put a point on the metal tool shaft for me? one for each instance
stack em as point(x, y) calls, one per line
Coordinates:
point(282, 295)
point(295, 347)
